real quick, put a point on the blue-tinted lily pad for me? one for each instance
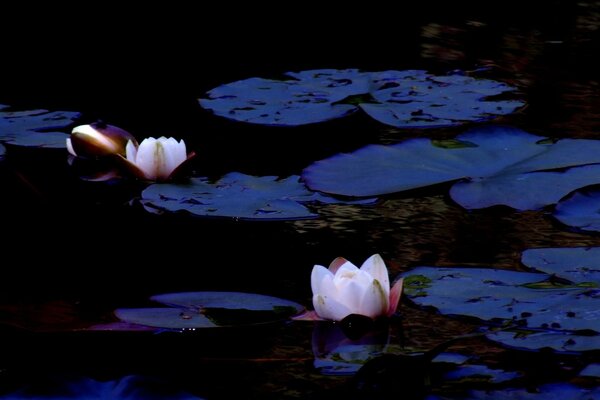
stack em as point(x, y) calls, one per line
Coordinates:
point(35, 128)
point(592, 370)
point(411, 98)
point(131, 387)
point(496, 166)
point(480, 373)
point(555, 391)
point(538, 300)
point(577, 264)
point(580, 210)
point(193, 310)
point(236, 195)
point(563, 342)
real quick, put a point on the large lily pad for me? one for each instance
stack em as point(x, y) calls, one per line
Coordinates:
point(35, 128)
point(193, 310)
point(236, 195)
point(577, 264)
point(495, 166)
point(580, 210)
point(539, 301)
point(560, 341)
point(411, 98)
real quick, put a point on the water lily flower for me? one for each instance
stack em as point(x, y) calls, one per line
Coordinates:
point(343, 289)
point(156, 159)
point(98, 140)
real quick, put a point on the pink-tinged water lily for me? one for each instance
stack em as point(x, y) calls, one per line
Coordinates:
point(156, 159)
point(98, 140)
point(343, 289)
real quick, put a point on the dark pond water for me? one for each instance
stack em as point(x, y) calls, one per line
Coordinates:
point(75, 250)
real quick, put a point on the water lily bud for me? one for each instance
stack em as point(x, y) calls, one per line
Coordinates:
point(156, 159)
point(343, 289)
point(98, 140)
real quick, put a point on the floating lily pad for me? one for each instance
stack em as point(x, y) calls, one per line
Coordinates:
point(192, 310)
point(35, 128)
point(562, 391)
point(592, 370)
point(411, 98)
point(538, 300)
point(577, 264)
point(237, 195)
point(130, 387)
point(481, 373)
point(580, 210)
point(495, 166)
point(563, 342)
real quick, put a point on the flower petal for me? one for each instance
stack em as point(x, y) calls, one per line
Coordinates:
point(395, 294)
point(70, 148)
point(374, 302)
point(336, 264)
point(350, 294)
point(375, 266)
point(317, 276)
point(329, 308)
point(131, 151)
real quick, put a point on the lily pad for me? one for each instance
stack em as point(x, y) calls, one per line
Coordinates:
point(580, 210)
point(193, 310)
point(562, 391)
point(480, 373)
point(409, 99)
point(537, 300)
point(237, 195)
point(577, 264)
point(562, 342)
point(128, 387)
point(35, 128)
point(495, 166)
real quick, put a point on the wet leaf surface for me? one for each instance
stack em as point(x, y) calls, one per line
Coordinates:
point(580, 210)
point(35, 128)
point(238, 195)
point(496, 166)
point(191, 310)
point(403, 99)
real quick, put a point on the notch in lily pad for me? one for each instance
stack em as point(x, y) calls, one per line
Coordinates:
point(197, 310)
point(489, 166)
point(403, 99)
point(35, 128)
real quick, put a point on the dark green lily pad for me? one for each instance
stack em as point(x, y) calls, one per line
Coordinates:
point(554, 391)
point(193, 310)
point(35, 128)
point(496, 166)
point(409, 99)
point(237, 195)
point(577, 264)
point(538, 301)
point(580, 210)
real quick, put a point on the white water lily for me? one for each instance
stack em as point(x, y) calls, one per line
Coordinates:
point(98, 140)
point(343, 289)
point(156, 159)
